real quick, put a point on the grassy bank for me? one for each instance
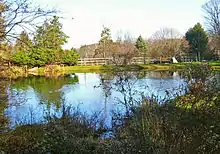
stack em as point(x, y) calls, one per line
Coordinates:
point(146, 67)
point(101, 68)
point(56, 70)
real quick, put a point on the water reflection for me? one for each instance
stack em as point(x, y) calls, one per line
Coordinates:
point(47, 90)
point(92, 92)
point(3, 105)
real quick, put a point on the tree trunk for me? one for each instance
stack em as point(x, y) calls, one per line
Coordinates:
point(196, 56)
point(144, 58)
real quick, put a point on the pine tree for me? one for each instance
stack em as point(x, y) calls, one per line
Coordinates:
point(198, 40)
point(23, 43)
point(69, 57)
point(50, 35)
point(141, 45)
point(105, 42)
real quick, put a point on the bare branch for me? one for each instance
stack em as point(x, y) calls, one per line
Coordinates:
point(166, 42)
point(22, 14)
point(212, 16)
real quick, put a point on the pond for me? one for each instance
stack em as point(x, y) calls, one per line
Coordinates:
point(31, 98)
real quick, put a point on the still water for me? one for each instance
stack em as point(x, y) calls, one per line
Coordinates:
point(30, 99)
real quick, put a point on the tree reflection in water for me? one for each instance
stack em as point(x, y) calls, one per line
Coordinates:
point(48, 90)
point(132, 88)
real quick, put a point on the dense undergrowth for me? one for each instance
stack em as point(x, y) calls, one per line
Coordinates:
point(186, 124)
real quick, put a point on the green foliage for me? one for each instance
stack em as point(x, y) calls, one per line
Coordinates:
point(69, 57)
point(141, 45)
point(198, 40)
point(23, 43)
point(105, 36)
point(21, 58)
point(50, 35)
point(42, 56)
point(22, 50)
point(48, 41)
point(35, 57)
point(105, 43)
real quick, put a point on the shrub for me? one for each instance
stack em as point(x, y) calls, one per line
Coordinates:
point(42, 56)
point(69, 57)
point(21, 58)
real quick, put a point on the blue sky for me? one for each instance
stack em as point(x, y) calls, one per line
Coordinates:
point(130, 16)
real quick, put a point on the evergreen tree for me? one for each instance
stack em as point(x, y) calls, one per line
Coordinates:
point(42, 56)
point(141, 45)
point(50, 35)
point(105, 42)
point(69, 57)
point(23, 43)
point(198, 40)
point(48, 43)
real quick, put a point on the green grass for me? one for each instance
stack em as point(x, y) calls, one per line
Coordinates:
point(123, 67)
point(100, 68)
point(86, 68)
point(59, 70)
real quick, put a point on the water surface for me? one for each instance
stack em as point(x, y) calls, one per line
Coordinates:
point(30, 99)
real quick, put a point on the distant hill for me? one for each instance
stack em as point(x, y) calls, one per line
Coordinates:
point(90, 51)
point(87, 51)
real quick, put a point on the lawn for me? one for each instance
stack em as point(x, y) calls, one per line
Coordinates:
point(148, 67)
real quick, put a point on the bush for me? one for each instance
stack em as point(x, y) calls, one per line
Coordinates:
point(21, 58)
point(42, 56)
point(69, 57)
point(35, 57)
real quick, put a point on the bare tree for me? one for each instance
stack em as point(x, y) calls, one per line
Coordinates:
point(212, 17)
point(166, 33)
point(166, 42)
point(124, 49)
point(20, 15)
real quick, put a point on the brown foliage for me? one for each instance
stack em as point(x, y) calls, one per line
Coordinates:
point(167, 47)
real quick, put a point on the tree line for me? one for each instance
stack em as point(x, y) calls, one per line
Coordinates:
point(166, 42)
point(37, 44)
point(197, 43)
point(44, 45)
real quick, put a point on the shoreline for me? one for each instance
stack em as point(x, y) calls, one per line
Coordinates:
point(57, 70)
